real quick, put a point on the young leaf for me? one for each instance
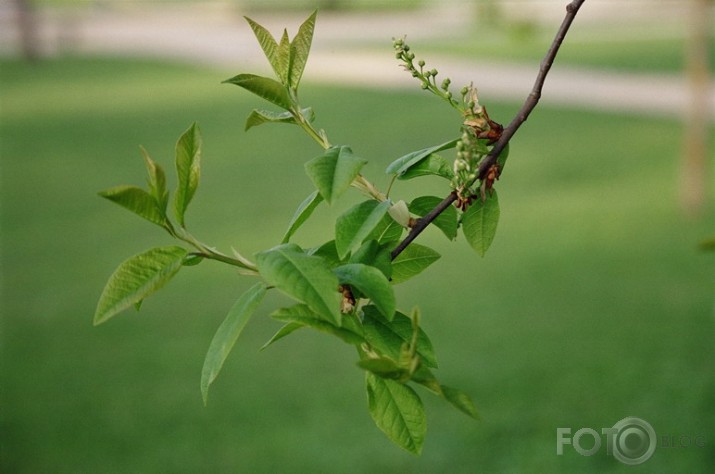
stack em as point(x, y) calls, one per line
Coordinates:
point(413, 260)
point(228, 333)
point(301, 314)
point(333, 171)
point(259, 117)
point(479, 223)
point(136, 200)
point(432, 165)
point(304, 277)
point(300, 48)
point(356, 224)
point(136, 278)
point(283, 57)
point(388, 337)
point(327, 252)
point(302, 214)
point(446, 221)
point(157, 182)
point(372, 283)
point(188, 170)
point(404, 163)
point(397, 410)
point(267, 42)
point(269, 89)
point(460, 400)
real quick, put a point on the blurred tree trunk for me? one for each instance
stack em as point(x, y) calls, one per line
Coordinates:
point(28, 27)
point(697, 121)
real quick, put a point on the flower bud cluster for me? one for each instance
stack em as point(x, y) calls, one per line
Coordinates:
point(428, 78)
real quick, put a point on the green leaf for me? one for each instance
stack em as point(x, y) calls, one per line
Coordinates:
point(333, 171)
point(283, 57)
point(136, 278)
point(460, 400)
point(157, 182)
point(447, 221)
point(383, 367)
point(356, 224)
point(708, 244)
point(404, 163)
point(387, 230)
point(432, 165)
point(267, 42)
point(388, 337)
point(300, 48)
point(284, 331)
point(376, 255)
point(136, 200)
point(327, 252)
point(188, 170)
point(259, 117)
point(269, 89)
point(306, 278)
point(397, 410)
point(479, 223)
point(413, 260)
point(372, 283)
point(301, 314)
point(227, 334)
point(302, 214)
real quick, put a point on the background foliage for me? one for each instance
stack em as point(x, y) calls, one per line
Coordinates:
point(594, 301)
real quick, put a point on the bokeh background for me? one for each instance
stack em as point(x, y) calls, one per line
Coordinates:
point(594, 303)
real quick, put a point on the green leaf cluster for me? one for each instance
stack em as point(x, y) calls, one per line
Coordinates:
point(344, 285)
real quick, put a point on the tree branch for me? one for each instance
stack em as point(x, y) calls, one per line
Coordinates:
point(529, 104)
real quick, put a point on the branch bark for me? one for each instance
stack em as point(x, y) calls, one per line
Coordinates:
point(522, 115)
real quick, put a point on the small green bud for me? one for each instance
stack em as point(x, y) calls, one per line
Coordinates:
point(421, 63)
point(398, 55)
point(415, 74)
point(425, 86)
point(464, 91)
point(448, 95)
point(433, 72)
point(471, 104)
point(460, 145)
point(446, 83)
point(461, 165)
point(409, 56)
point(472, 177)
point(466, 138)
point(406, 47)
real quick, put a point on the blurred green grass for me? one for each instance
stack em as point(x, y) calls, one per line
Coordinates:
point(593, 303)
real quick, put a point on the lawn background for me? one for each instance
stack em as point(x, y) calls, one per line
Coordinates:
point(593, 304)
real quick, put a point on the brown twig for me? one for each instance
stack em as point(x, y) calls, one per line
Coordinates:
point(529, 104)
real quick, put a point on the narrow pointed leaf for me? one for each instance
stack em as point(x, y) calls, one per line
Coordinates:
point(188, 170)
point(447, 221)
point(432, 165)
point(302, 214)
point(388, 337)
point(412, 261)
point(333, 171)
point(397, 410)
point(306, 278)
point(460, 400)
point(284, 331)
point(404, 163)
point(136, 200)
point(283, 58)
point(356, 224)
point(267, 42)
point(300, 49)
point(264, 87)
point(383, 367)
point(479, 223)
point(227, 334)
point(372, 283)
point(388, 230)
point(157, 182)
point(136, 278)
point(259, 117)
